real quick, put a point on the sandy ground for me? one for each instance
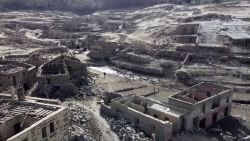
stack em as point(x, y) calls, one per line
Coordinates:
point(113, 83)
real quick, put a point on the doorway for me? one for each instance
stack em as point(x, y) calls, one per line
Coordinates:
point(26, 86)
point(17, 128)
point(214, 117)
point(14, 80)
point(226, 112)
point(196, 122)
point(203, 123)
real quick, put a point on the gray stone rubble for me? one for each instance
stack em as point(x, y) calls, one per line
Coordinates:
point(78, 130)
point(125, 131)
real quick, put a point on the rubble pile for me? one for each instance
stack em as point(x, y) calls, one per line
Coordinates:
point(235, 131)
point(86, 87)
point(78, 130)
point(86, 91)
point(125, 131)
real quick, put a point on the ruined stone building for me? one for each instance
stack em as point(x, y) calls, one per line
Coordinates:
point(102, 50)
point(61, 75)
point(32, 119)
point(34, 59)
point(16, 74)
point(186, 33)
point(197, 107)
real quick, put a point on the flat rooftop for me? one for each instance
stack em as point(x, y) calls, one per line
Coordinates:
point(199, 93)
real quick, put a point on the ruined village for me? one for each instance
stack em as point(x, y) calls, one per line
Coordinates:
point(172, 71)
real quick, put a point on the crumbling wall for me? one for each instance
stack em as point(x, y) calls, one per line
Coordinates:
point(166, 117)
point(180, 104)
point(203, 110)
point(191, 39)
point(7, 128)
point(75, 68)
point(4, 82)
point(203, 49)
point(139, 68)
point(102, 50)
point(61, 77)
point(186, 29)
point(25, 79)
point(148, 124)
point(134, 58)
point(186, 33)
point(54, 80)
point(108, 96)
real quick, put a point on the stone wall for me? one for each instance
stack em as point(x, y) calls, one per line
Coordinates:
point(191, 39)
point(180, 104)
point(176, 120)
point(108, 96)
point(186, 29)
point(102, 50)
point(200, 113)
point(55, 80)
point(7, 128)
point(25, 78)
point(76, 69)
point(162, 130)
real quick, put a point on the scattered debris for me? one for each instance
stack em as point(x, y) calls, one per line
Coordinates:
point(126, 131)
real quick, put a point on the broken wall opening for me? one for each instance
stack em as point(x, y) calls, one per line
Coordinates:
point(203, 123)
point(51, 69)
point(199, 93)
point(215, 103)
point(196, 122)
point(214, 119)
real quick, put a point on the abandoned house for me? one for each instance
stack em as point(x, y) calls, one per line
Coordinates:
point(102, 50)
point(197, 107)
point(16, 74)
point(34, 59)
point(61, 75)
point(32, 119)
point(186, 33)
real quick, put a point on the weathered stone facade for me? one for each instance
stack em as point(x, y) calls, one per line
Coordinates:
point(140, 111)
point(16, 74)
point(62, 72)
point(35, 119)
point(205, 104)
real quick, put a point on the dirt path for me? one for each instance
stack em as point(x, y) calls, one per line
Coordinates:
point(107, 134)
